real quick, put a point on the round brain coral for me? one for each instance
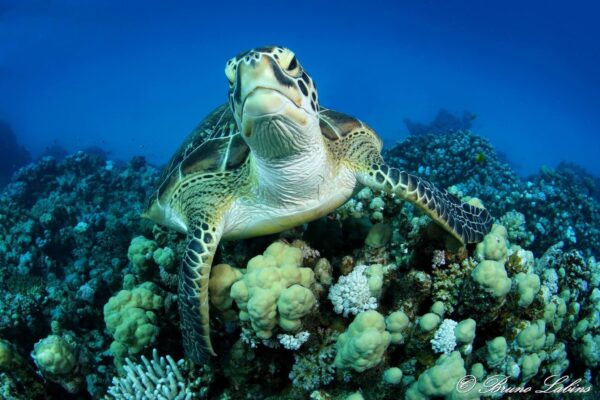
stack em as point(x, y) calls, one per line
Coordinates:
point(54, 356)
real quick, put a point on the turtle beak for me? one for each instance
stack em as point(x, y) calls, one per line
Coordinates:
point(263, 73)
point(264, 103)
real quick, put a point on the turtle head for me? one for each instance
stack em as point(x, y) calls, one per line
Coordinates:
point(274, 101)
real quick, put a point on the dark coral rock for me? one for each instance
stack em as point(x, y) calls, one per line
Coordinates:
point(13, 155)
point(557, 204)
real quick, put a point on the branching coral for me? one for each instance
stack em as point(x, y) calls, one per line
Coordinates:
point(159, 379)
point(352, 294)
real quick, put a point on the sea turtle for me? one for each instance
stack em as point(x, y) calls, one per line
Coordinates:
point(271, 159)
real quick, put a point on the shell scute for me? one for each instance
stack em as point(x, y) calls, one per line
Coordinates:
point(214, 146)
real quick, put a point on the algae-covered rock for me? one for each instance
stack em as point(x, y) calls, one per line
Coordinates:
point(379, 235)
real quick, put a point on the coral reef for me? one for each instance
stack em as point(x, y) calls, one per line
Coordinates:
point(552, 206)
point(373, 301)
point(65, 227)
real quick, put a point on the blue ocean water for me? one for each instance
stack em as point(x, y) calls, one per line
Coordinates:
point(135, 77)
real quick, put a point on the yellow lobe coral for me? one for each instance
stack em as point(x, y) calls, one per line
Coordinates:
point(362, 346)
point(222, 277)
point(275, 291)
point(130, 318)
point(494, 246)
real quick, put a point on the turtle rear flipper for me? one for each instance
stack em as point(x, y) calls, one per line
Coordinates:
point(467, 223)
point(193, 293)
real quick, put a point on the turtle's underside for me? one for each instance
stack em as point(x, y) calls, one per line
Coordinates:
point(269, 160)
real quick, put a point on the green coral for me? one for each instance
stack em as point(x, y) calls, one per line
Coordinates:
point(528, 286)
point(164, 257)
point(496, 351)
point(530, 365)
point(222, 277)
point(516, 228)
point(54, 356)
point(57, 360)
point(439, 380)
point(7, 355)
point(392, 376)
point(140, 253)
point(492, 277)
point(494, 246)
point(362, 346)
point(465, 331)
point(429, 322)
point(131, 319)
point(397, 324)
point(533, 337)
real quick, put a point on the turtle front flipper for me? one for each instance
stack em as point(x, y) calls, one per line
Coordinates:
point(464, 221)
point(193, 292)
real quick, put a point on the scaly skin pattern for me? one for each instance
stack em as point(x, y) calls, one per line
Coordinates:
point(272, 160)
point(361, 151)
point(205, 202)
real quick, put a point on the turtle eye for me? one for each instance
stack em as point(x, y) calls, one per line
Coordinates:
point(293, 64)
point(289, 63)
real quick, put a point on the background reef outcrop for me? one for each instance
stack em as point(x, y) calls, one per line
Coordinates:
point(555, 205)
point(13, 154)
point(372, 302)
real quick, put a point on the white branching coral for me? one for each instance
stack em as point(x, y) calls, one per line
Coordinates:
point(438, 259)
point(158, 379)
point(351, 294)
point(293, 342)
point(444, 340)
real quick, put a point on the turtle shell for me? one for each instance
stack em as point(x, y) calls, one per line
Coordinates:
point(214, 146)
point(336, 125)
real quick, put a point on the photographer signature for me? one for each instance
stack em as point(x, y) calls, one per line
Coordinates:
point(553, 384)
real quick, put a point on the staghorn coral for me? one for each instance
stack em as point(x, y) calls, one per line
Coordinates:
point(160, 378)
